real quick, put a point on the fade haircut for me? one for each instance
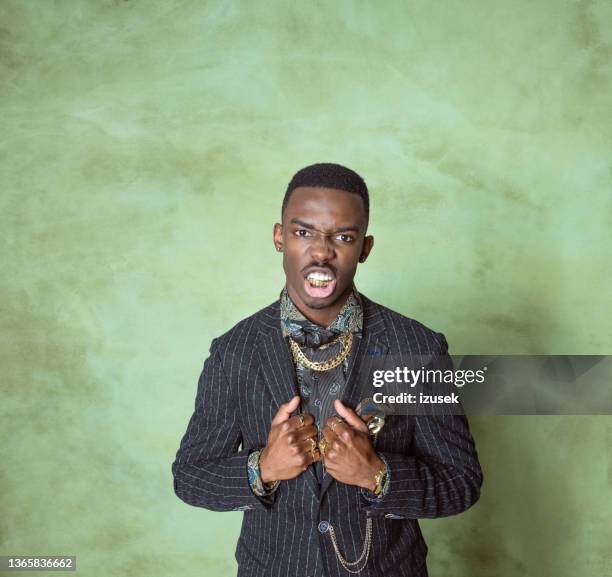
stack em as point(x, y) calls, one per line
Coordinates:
point(329, 175)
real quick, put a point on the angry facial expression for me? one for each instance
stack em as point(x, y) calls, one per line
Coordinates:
point(322, 238)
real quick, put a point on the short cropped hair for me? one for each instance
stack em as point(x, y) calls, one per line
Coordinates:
point(329, 175)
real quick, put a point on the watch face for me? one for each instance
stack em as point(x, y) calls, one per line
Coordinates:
point(376, 421)
point(375, 424)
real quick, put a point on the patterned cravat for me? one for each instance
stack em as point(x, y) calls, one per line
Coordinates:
point(307, 333)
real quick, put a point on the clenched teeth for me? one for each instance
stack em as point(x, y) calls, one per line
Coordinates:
point(319, 279)
point(319, 276)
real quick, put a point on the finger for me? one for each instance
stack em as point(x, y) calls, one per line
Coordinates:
point(296, 421)
point(331, 436)
point(308, 419)
point(343, 432)
point(306, 446)
point(312, 457)
point(350, 416)
point(332, 451)
point(294, 436)
point(308, 432)
point(332, 421)
point(285, 410)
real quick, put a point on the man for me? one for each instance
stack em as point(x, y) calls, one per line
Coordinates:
point(278, 431)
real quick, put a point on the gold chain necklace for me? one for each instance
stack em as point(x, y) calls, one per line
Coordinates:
point(302, 359)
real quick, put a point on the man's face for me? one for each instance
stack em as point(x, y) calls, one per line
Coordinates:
point(323, 238)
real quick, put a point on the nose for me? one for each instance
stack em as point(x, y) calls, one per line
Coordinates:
point(321, 249)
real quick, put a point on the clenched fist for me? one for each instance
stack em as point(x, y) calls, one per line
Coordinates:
point(289, 449)
point(350, 457)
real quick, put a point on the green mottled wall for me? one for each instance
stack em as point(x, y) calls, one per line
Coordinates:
point(144, 150)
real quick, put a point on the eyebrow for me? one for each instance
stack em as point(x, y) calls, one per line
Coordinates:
point(310, 227)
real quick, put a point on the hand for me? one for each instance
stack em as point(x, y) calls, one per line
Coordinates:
point(288, 452)
point(350, 457)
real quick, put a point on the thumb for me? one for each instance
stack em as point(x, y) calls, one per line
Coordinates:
point(350, 417)
point(285, 410)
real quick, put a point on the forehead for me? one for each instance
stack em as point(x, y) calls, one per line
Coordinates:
point(327, 207)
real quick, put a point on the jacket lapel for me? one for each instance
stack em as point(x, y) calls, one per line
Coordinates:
point(373, 343)
point(275, 359)
point(279, 371)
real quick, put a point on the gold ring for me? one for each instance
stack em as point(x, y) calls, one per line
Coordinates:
point(335, 423)
point(314, 444)
point(323, 446)
point(301, 418)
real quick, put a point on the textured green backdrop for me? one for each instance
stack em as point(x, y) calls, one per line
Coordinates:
point(145, 147)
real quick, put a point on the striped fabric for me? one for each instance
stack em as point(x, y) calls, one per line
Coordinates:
point(433, 465)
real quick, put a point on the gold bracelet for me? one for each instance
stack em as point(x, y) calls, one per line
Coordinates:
point(379, 479)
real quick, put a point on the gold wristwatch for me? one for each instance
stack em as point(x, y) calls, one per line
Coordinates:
point(379, 479)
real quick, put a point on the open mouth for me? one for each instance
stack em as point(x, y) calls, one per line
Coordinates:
point(319, 284)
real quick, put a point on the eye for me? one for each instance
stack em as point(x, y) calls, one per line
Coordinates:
point(346, 238)
point(302, 232)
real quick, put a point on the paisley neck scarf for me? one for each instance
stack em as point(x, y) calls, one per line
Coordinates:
point(309, 334)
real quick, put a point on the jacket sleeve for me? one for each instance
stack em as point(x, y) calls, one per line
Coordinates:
point(209, 470)
point(439, 473)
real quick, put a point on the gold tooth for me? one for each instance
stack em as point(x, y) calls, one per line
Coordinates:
point(319, 283)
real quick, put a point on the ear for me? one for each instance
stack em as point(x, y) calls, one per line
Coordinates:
point(277, 236)
point(368, 244)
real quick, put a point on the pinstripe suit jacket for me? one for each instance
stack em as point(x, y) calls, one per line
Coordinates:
point(433, 465)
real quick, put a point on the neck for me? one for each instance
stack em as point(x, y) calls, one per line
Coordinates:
point(322, 317)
